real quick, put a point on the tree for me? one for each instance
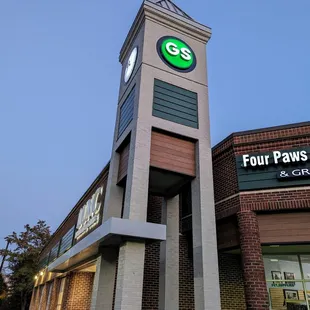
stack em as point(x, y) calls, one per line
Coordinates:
point(3, 289)
point(23, 262)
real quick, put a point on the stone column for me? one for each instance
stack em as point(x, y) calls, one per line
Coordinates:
point(129, 284)
point(206, 276)
point(33, 299)
point(169, 257)
point(253, 265)
point(104, 281)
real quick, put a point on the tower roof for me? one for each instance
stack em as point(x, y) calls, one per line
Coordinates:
point(172, 7)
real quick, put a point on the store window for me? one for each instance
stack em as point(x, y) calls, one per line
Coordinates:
point(288, 281)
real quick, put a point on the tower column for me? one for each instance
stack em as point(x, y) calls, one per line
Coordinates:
point(129, 284)
point(206, 277)
point(103, 287)
point(169, 256)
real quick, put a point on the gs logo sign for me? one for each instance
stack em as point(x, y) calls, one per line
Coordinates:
point(176, 54)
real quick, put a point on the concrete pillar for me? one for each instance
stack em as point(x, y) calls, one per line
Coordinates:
point(130, 276)
point(253, 265)
point(54, 297)
point(169, 257)
point(33, 298)
point(61, 293)
point(131, 255)
point(206, 277)
point(104, 281)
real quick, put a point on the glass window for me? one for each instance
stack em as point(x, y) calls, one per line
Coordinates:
point(288, 281)
point(305, 260)
point(282, 267)
point(281, 295)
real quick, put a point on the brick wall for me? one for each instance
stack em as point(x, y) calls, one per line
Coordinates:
point(224, 168)
point(289, 198)
point(43, 299)
point(276, 133)
point(231, 282)
point(227, 207)
point(54, 296)
point(33, 299)
point(252, 260)
point(224, 174)
point(230, 201)
point(186, 275)
point(78, 291)
point(150, 295)
point(186, 267)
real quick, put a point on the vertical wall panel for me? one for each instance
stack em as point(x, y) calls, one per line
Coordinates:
point(54, 253)
point(66, 241)
point(284, 227)
point(123, 163)
point(173, 154)
point(126, 112)
point(175, 104)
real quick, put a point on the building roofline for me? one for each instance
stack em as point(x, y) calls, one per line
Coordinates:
point(260, 130)
point(273, 128)
point(90, 188)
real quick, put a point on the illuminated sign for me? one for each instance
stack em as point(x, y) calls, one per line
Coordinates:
point(275, 158)
point(294, 174)
point(89, 215)
point(176, 54)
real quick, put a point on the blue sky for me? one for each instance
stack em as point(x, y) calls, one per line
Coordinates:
point(59, 78)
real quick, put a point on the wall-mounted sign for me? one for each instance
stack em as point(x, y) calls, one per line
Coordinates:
point(131, 64)
point(294, 174)
point(275, 158)
point(274, 169)
point(89, 215)
point(176, 54)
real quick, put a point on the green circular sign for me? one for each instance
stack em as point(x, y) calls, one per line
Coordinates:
point(176, 53)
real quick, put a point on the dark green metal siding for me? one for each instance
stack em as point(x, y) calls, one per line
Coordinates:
point(66, 241)
point(126, 112)
point(43, 262)
point(54, 253)
point(264, 177)
point(175, 104)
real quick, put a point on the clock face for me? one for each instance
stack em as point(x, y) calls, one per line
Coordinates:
point(131, 64)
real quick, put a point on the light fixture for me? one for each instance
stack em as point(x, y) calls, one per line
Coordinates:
point(36, 277)
point(274, 260)
point(41, 273)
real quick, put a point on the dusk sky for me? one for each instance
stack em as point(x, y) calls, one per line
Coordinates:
point(59, 79)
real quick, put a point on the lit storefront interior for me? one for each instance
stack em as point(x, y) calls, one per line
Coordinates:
point(287, 271)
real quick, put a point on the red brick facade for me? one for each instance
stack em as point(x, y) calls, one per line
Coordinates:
point(150, 295)
point(246, 204)
point(78, 291)
point(231, 282)
point(186, 276)
point(252, 259)
point(242, 277)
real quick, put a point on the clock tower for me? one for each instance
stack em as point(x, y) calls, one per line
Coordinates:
point(161, 147)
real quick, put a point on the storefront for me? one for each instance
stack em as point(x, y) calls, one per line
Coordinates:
point(288, 280)
point(262, 194)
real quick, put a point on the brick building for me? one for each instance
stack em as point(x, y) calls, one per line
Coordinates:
point(170, 223)
point(262, 197)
